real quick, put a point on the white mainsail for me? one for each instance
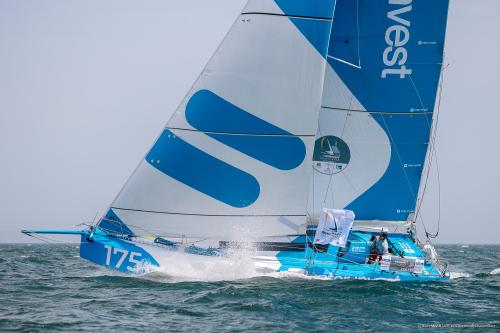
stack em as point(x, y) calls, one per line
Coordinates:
point(235, 156)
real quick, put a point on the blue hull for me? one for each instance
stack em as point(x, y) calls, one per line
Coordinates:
point(131, 257)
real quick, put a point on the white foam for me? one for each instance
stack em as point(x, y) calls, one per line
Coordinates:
point(177, 267)
point(237, 265)
point(459, 275)
point(495, 271)
point(465, 246)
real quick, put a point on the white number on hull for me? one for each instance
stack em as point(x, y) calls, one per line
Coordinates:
point(134, 257)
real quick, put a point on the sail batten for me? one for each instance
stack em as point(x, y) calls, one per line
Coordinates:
point(238, 133)
point(376, 112)
point(209, 215)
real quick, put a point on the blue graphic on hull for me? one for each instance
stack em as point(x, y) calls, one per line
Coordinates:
point(244, 132)
point(203, 172)
point(115, 253)
point(350, 262)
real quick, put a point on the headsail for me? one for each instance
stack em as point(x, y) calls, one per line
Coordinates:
point(235, 156)
point(384, 64)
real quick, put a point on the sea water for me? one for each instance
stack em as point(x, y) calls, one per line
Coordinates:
point(49, 288)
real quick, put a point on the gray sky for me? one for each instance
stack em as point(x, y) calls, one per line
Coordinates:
point(86, 86)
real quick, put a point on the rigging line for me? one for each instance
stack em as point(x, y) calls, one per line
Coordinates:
point(313, 191)
point(347, 115)
point(434, 133)
point(424, 188)
point(433, 156)
point(328, 190)
point(114, 222)
point(350, 184)
point(399, 158)
point(38, 237)
point(436, 234)
point(418, 214)
point(155, 232)
point(95, 218)
point(417, 92)
point(319, 132)
point(48, 240)
point(83, 224)
point(431, 152)
point(331, 176)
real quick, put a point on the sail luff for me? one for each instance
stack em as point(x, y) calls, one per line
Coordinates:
point(432, 145)
point(310, 216)
point(105, 219)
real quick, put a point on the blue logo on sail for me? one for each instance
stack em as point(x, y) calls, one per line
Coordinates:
point(235, 128)
point(241, 130)
point(203, 172)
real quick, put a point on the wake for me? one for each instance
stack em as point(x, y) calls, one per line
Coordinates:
point(495, 271)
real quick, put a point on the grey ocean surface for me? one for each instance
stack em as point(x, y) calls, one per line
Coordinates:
point(48, 288)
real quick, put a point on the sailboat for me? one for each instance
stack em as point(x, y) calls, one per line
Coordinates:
point(309, 114)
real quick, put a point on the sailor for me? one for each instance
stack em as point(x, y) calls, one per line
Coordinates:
point(379, 248)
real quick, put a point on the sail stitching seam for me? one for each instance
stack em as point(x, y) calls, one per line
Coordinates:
point(208, 215)
point(378, 112)
point(290, 16)
point(241, 134)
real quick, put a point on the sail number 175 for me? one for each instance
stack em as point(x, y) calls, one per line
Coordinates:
point(133, 257)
